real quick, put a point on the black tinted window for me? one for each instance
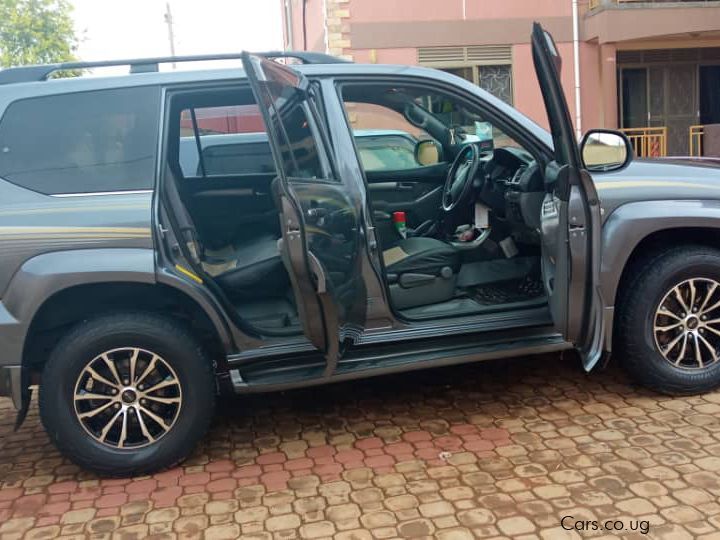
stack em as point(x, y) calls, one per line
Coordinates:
point(299, 148)
point(248, 158)
point(83, 142)
point(232, 138)
point(290, 123)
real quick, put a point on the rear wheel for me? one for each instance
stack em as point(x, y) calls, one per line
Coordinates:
point(127, 394)
point(669, 321)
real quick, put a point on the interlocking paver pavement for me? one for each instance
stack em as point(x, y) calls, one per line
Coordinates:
point(501, 449)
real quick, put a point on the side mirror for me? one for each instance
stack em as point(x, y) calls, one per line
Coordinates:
point(605, 150)
point(428, 152)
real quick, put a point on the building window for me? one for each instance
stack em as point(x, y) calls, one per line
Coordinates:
point(497, 80)
point(488, 66)
point(494, 79)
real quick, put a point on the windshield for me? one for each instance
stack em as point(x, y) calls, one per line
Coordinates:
point(464, 124)
point(441, 116)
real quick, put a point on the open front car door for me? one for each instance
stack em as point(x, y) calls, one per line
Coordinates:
point(321, 221)
point(570, 221)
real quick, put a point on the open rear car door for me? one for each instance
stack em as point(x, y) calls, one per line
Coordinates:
point(570, 221)
point(321, 221)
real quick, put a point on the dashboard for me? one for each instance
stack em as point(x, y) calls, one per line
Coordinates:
point(513, 186)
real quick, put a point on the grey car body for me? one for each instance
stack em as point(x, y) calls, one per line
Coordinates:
point(53, 244)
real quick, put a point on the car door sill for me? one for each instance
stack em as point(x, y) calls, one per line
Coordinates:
point(307, 370)
point(416, 330)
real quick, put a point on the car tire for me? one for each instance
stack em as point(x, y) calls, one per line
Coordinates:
point(662, 342)
point(157, 418)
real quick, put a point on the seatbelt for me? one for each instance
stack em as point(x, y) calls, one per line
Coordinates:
point(185, 225)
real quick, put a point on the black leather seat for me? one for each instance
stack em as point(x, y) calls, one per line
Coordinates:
point(423, 256)
point(421, 271)
point(250, 269)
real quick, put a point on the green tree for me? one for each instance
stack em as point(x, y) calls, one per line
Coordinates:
point(36, 32)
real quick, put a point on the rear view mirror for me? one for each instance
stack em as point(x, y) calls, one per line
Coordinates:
point(605, 150)
point(428, 152)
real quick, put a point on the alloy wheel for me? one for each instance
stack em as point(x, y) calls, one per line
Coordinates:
point(127, 398)
point(686, 325)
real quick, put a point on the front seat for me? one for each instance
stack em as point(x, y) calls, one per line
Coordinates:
point(421, 271)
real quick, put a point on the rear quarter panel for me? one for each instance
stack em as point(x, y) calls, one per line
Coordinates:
point(32, 224)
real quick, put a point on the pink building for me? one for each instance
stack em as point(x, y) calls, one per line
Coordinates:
point(641, 64)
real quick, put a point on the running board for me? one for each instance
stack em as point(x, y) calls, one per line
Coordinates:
point(307, 370)
point(417, 330)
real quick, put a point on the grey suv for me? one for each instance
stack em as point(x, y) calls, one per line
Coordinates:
point(168, 237)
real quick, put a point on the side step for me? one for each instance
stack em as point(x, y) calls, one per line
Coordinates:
point(268, 375)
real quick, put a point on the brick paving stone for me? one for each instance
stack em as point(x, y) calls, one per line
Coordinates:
point(495, 450)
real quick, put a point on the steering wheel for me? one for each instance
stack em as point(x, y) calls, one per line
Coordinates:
point(458, 184)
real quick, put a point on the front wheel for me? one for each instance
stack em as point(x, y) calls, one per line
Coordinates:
point(669, 321)
point(127, 394)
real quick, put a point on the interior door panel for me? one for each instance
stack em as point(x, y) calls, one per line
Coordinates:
point(231, 208)
point(570, 222)
point(417, 192)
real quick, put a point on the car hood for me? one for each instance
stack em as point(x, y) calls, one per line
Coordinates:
point(659, 179)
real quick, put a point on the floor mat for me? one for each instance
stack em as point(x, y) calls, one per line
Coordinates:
point(506, 292)
point(270, 314)
point(488, 272)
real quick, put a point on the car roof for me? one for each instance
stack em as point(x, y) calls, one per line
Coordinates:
point(14, 91)
point(87, 82)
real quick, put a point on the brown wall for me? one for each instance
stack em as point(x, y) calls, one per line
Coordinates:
point(380, 35)
point(634, 22)
point(391, 31)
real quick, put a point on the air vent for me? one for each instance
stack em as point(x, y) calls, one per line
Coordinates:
point(658, 56)
point(429, 55)
point(684, 55)
point(515, 180)
point(666, 56)
point(495, 54)
point(473, 54)
point(712, 53)
point(629, 57)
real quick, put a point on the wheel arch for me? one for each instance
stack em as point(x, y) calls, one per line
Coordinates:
point(71, 305)
point(58, 289)
point(636, 230)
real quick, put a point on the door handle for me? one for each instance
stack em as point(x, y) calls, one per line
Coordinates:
point(405, 186)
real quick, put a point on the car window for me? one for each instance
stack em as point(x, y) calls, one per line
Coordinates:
point(84, 142)
point(473, 126)
point(295, 133)
point(398, 109)
point(232, 139)
point(386, 152)
point(385, 139)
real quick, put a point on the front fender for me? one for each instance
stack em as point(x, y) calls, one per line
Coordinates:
point(629, 224)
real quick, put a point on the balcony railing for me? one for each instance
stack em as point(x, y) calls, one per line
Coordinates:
point(648, 141)
point(696, 140)
point(592, 4)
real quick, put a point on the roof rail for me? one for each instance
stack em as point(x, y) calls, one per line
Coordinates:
point(41, 72)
